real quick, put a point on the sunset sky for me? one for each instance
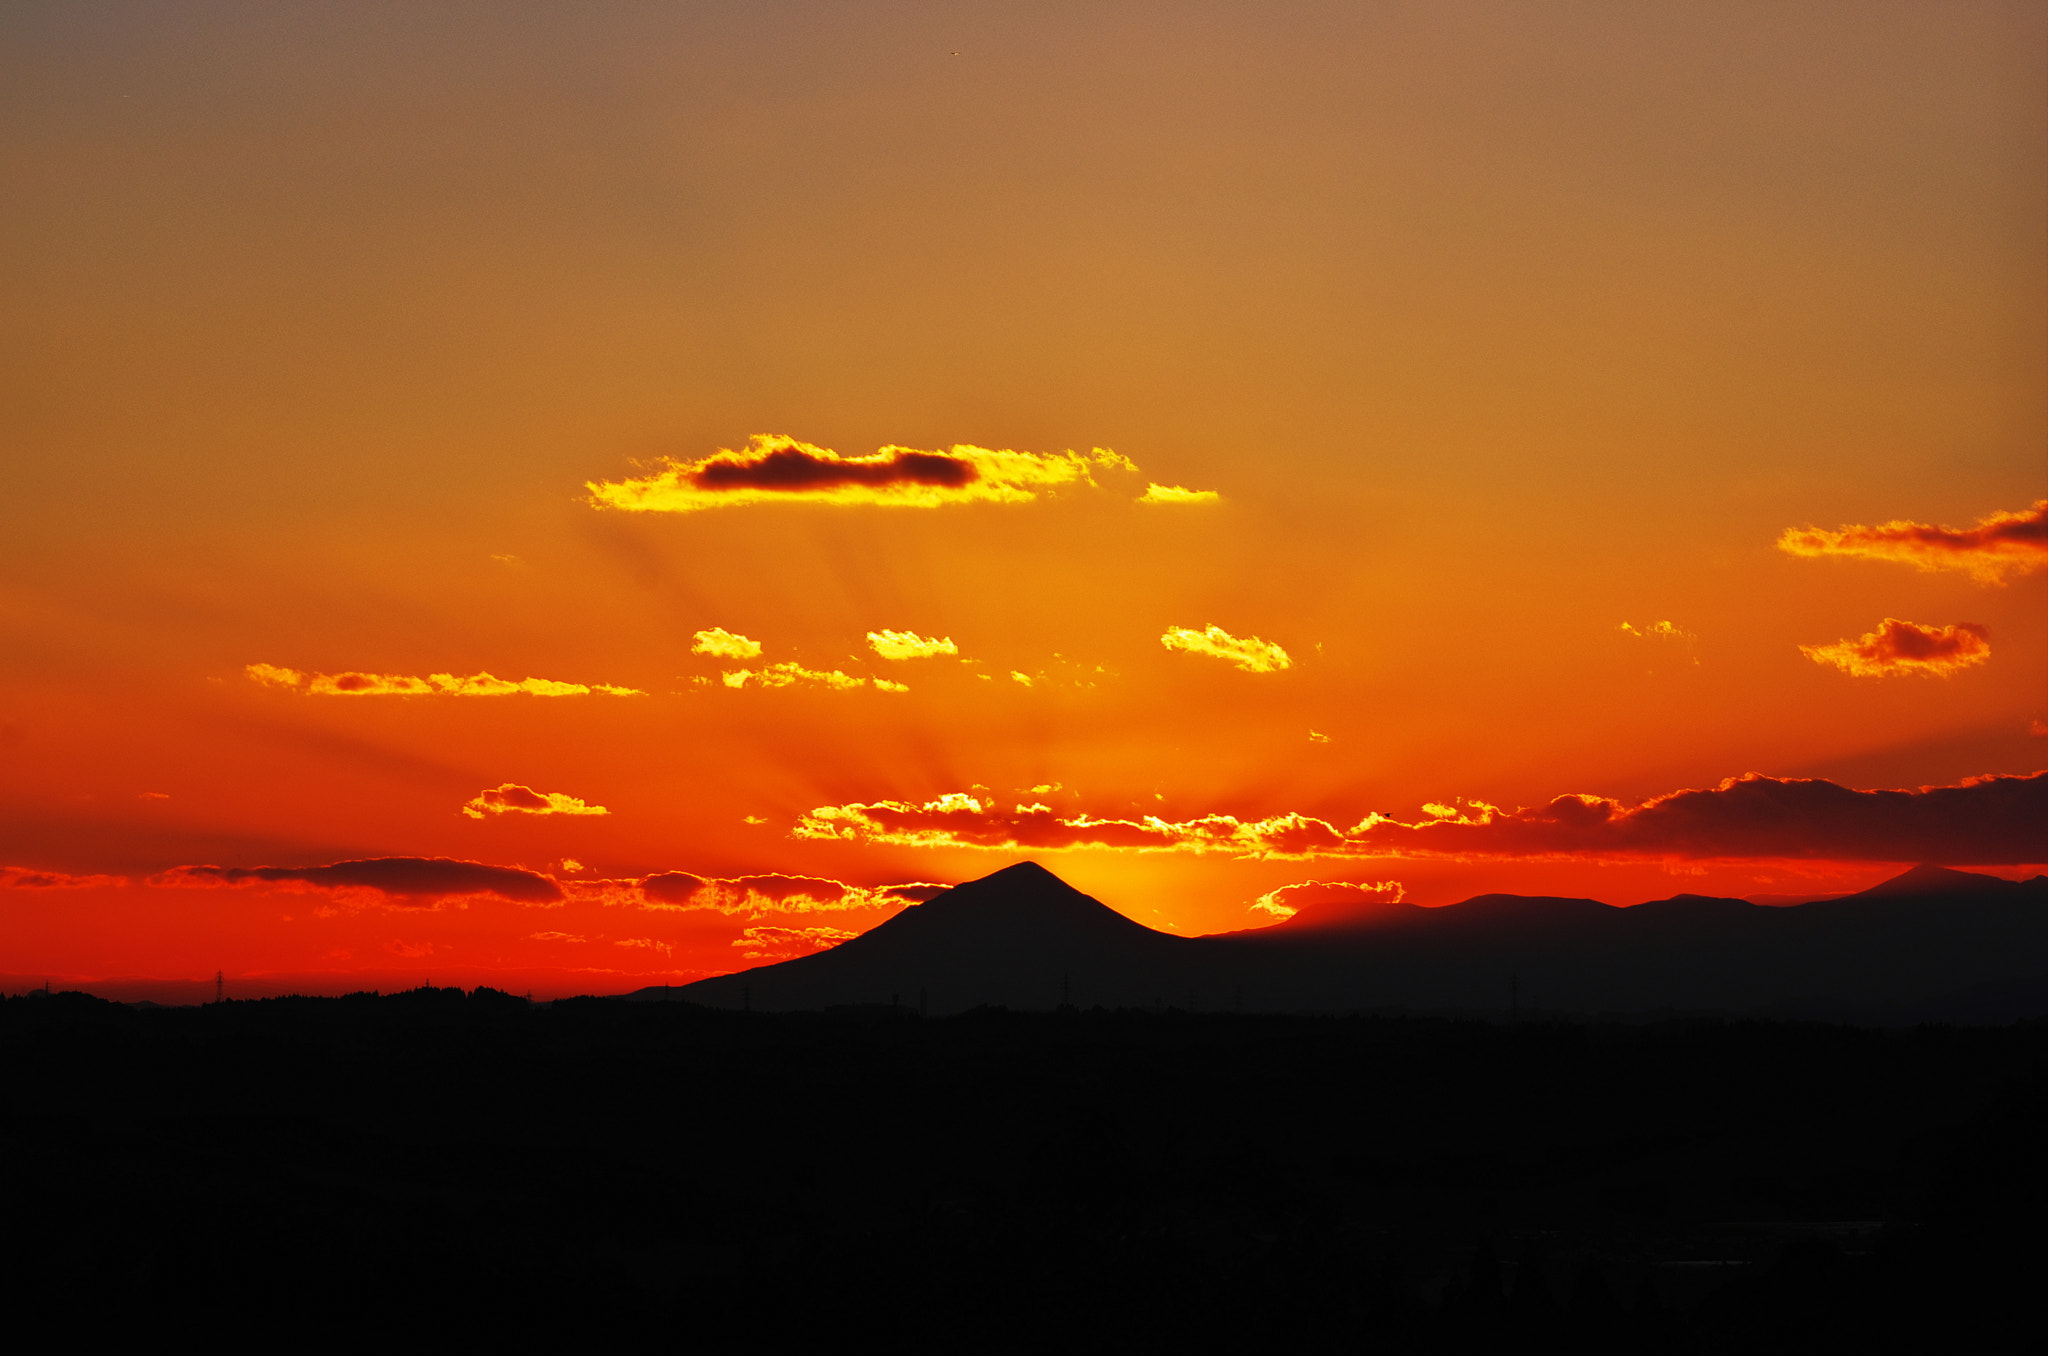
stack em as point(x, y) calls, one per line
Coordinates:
point(574, 497)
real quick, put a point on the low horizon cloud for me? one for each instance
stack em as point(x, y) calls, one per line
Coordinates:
point(1334, 895)
point(776, 468)
point(1991, 820)
point(766, 943)
point(28, 878)
point(789, 673)
point(354, 684)
point(402, 879)
point(425, 881)
point(776, 892)
point(2000, 543)
point(1902, 647)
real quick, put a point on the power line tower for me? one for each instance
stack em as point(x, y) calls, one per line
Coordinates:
point(220, 987)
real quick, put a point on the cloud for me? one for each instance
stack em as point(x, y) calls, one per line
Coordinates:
point(406, 879)
point(354, 684)
point(723, 644)
point(1156, 493)
point(777, 469)
point(24, 878)
point(1982, 821)
point(1999, 544)
point(787, 674)
point(909, 645)
point(270, 675)
point(963, 820)
point(767, 943)
point(1662, 630)
point(1249, 654)
point(1903, 647)
point(777, 893)
point(1333, 896)
point(512, 797)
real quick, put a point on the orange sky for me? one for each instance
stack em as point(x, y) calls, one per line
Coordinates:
point(1331, 411)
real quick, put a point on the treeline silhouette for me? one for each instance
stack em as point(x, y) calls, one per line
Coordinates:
point(453, 1166)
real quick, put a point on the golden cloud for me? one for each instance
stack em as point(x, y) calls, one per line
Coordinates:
point(271, 675)
point(773, 468)
point(1999, 544)
point(723, 644)
point(1982, 820)
point(1332, 896)
point(511, 797)
point(791, 673)
point(776, 894)
point(355, 684)
point(1899, 647)
point(909, 645)
point(1156, 493)
point(1250, 654)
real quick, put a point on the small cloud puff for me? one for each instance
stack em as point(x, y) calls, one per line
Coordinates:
point(909, 645)
point(775, 468)
point(1662, 630)
point(1156, 493)
point(1999, 544)
point(720, 643)
point(354, 684)
point(1899, 647)
point(511, 797)
point(1250, 654)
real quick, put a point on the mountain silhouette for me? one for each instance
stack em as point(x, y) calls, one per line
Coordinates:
point(1019, 938)
point(1901, 950)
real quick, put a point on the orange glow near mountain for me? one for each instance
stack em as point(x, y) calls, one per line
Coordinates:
point(576, 503)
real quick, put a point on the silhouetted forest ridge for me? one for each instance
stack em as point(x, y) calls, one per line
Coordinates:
point(473, 1167)
point(1930, 944)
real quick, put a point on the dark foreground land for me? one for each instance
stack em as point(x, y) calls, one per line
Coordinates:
point(434, 1166)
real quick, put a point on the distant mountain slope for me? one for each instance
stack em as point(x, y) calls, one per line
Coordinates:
point(1024, 938)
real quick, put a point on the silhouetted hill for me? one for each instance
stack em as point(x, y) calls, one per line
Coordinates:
point(1018, 938)
point(1919, 944)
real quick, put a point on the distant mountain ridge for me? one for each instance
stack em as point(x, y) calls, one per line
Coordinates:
point(1023, 938)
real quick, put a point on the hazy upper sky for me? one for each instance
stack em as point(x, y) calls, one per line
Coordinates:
point(1509, 339)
